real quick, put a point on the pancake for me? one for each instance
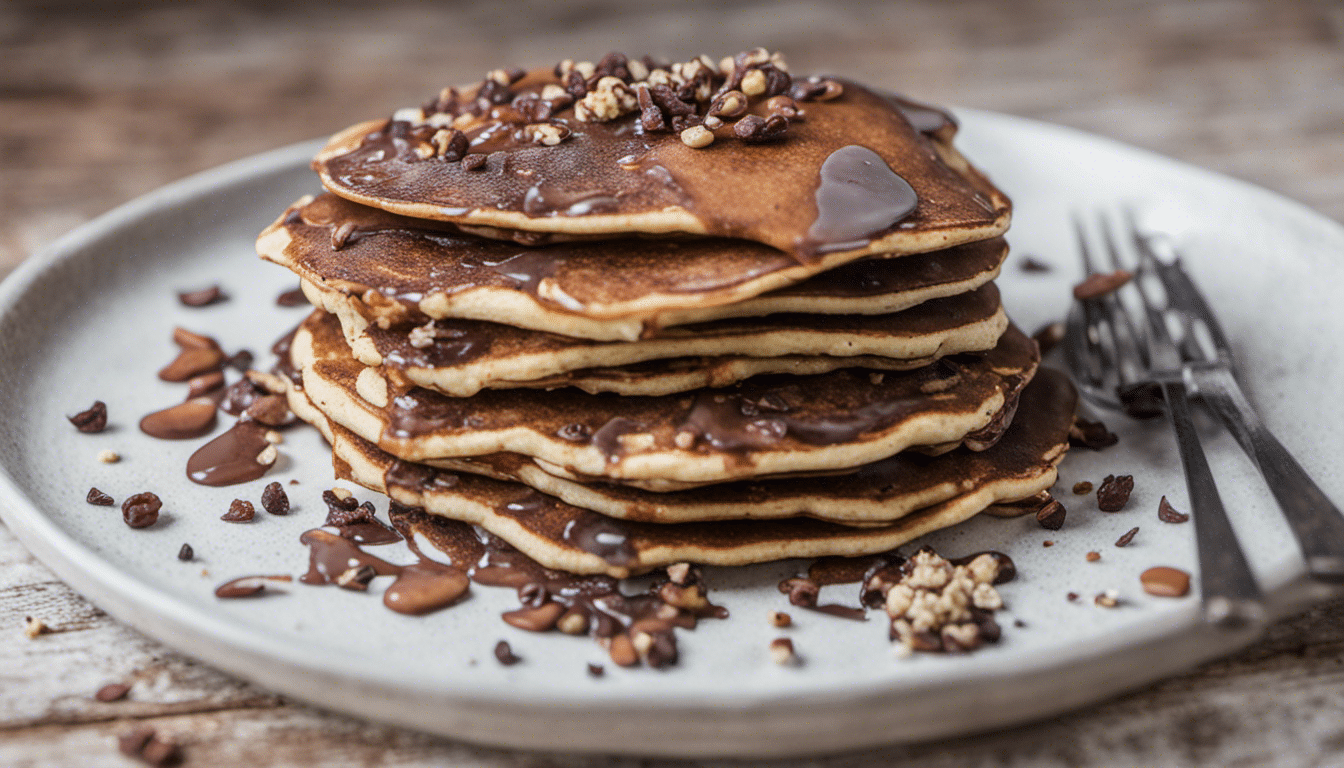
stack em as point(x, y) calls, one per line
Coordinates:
point(565, 537)
point(395, 271)
point(849, 175)
point(764, 426)
point(881, 492)
point(461, 357)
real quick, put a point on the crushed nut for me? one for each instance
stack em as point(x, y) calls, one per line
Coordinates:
point(268, 455)
point(546, 134)
point(697, 137)
point(1093, 556)
point(32, 627)
point(1108, 599)
point(782, 653)
point(107, 456)
point(1082, 488)
point(780, 619)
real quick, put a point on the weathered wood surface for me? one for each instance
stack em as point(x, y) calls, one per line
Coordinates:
point(100, 102)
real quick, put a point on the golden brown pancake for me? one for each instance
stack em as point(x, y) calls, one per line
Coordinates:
point(849, 174)
point(461, 357)
point(763, 426)
point(394, 271)
point(562, 536)
point(877, 493)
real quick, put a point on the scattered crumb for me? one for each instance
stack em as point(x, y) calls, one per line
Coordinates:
point(1047, 543)
point(107, 456)
point(1073, 597)
point(1124, 541)
point(1082, 488)
point(780, 619)
point(112, 692)
point(1093, 556)
point(1108, 599)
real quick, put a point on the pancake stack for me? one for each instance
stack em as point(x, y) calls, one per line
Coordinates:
point(632, 313)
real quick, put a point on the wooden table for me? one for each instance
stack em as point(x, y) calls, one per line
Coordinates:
point(102, 102)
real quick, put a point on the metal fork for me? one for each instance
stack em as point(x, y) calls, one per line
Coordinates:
point(1110, 354)
point(1317, 523)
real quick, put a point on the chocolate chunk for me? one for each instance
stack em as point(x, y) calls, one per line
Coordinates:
point(186, 553)
point(246, 586)
point(239, 396)
point(596, 670)
point(505, 654)
point(240, 361)
point(1051, 516)
point(98, 498)
point(192, 362)
point(141, 510)
point(1163, 581)
point(1072, 596)
point(1142, 401)
point(347, 511)
point(651, 118)
point(194, 418)
point(202, 298)
point(112, 692)
point(1032, 264)
point(240, 511)
point(204, 384)
point(92, 420)
point(1101, 283)
point(1124, 541)
point(1114, 492)
point(1082, 488)
point(271, 410)
point(754, 129)
point(1168, 514)
point(274, 499)
point(291, 298)
point(1091, 434)
point(473, 162)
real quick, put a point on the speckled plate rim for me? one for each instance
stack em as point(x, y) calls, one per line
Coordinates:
point(808, 721)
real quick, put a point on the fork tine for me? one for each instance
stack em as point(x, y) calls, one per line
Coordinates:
point(1182, 294)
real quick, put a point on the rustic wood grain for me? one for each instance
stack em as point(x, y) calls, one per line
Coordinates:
point(100, 102)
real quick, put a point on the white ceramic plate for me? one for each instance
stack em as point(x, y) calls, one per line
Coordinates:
point(90, 319)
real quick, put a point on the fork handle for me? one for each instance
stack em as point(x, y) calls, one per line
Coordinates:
point(1228, 591)
point(1315, 521)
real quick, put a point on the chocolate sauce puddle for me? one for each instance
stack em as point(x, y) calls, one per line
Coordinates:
point(230, 458)
point(574, 604)
point(858, 197)
point(419, 588)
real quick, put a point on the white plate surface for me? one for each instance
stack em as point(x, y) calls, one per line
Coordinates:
point(90, 318)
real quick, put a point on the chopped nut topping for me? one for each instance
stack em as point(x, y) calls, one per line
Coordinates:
point(108, 456)
point(1108, 599)
point(782, 653)
point(938, 605)
point(780, 619)
point(32, 627)
point(697, 137)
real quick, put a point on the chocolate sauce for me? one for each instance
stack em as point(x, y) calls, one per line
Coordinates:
point(600, 535)
point(587, 604)
point(607, 438)
point(247, 586)
point(859, 196)
point(230, 458)
point(194, 418)
point(330, 555)
point(925, 118)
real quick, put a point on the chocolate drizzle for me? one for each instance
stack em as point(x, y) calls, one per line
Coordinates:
point(859, 196)
point(419, 588)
